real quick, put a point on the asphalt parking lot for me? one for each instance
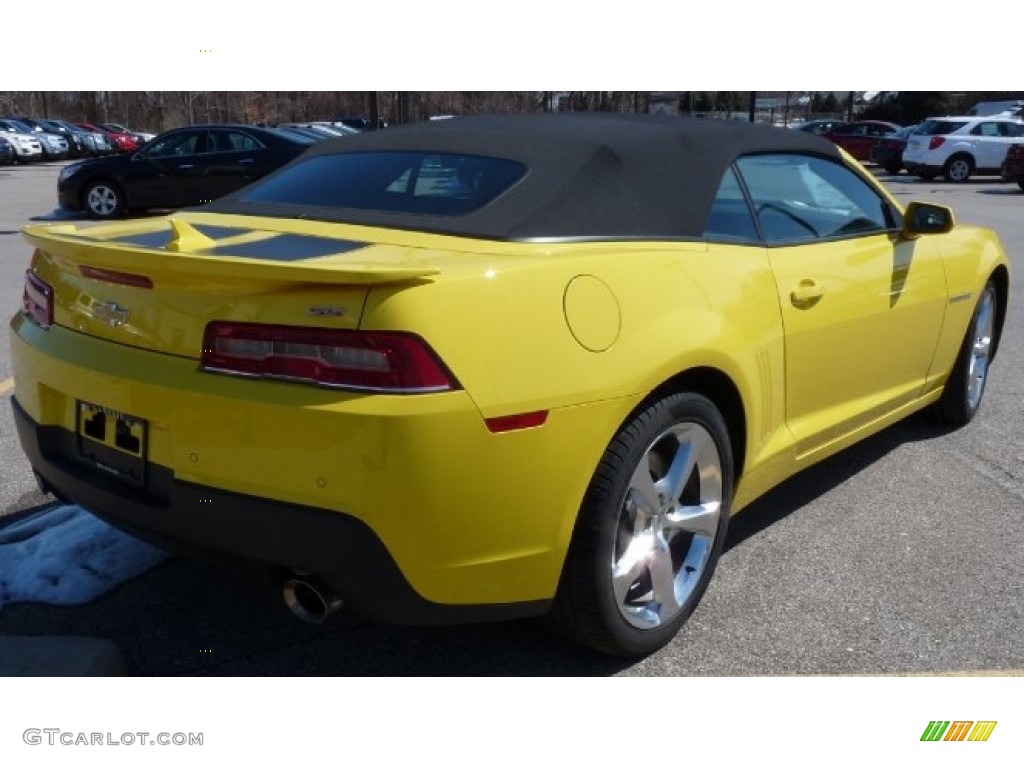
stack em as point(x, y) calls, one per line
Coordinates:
point(904, 555)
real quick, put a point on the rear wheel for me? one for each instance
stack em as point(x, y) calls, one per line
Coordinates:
point(1021, 185)
point(893, 168)
point(958, 168)
point(966, 384)
point(650, 529)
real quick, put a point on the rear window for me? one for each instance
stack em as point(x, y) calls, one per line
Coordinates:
point(938, 127)
point(405, 182)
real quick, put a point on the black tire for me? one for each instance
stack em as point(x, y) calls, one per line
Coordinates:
point(645, 525)
point(103, 199)
point(893, 168)
point(965, 386)
point(1021, 185)
point(958, 168)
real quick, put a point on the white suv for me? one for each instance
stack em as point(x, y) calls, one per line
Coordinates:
point(957, 147)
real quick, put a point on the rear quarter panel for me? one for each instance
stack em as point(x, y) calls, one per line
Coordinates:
point(519, 335)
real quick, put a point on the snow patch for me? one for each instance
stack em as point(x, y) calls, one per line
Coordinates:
point(66, 556)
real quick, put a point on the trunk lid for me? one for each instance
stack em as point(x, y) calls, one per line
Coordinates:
point(156, 284)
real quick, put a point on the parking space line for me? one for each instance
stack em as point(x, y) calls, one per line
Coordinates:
point(6, 386)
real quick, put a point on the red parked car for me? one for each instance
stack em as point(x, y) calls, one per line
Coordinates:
point(122, 141)
point(1013, 166)
point(860, 136)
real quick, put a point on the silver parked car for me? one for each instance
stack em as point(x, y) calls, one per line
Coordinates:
point(25, 143)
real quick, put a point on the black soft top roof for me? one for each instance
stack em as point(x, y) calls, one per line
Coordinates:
point(589, 175)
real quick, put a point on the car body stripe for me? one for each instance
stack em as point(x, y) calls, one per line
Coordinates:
point(271, 246)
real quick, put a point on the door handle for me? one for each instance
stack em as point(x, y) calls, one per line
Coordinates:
point(246, 161)
point(806, 294)
point(185, 167)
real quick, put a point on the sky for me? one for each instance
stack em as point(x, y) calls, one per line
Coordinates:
point(65, 556)
point(530, 45)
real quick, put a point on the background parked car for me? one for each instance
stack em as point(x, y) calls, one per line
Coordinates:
point(323, 130)
point(185, 166)
point(860, 136)
point(888, 150)
point(121, 141)
point(20, 125)
point(79, 145)
point(7, 153)
point(102, 145)
point(819, 126)
point(358, 123)
point(302, 130)
point(25, 143)
point(992, 108)
point(1013, 166)
point(54, 144)
point(959, 147)
point(142, 136)
point(91, 144)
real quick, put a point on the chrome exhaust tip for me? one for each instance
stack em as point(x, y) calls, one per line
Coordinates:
point(310, 599)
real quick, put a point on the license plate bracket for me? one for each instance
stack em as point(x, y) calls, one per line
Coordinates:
point(112, 441)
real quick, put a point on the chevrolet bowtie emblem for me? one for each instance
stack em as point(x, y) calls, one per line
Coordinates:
point(109, 313)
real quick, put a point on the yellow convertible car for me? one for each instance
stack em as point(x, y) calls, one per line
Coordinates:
point(497, 366)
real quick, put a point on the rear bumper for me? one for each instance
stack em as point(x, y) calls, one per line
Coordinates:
point(290, 474)
point(169, 512)
point(915, 167)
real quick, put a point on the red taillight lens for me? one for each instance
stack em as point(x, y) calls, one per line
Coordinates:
point(384, 361)
point(37, 300)
point(936, 142)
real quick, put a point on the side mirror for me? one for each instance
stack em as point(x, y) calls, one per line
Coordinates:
point(926, 219)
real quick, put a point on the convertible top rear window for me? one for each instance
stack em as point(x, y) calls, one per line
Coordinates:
point(438, 184)
point(555, 176)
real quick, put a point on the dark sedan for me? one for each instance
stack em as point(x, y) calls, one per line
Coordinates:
point(888, 150)
point(1013, 166)
point(7, 153)
point(819, 127)
point(860, 136)
point(185, 166)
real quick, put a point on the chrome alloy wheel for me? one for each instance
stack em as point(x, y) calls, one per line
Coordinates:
point(981, 347)
point(668, 522)
point(102, 200)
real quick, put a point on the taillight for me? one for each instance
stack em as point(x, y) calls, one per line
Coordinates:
point(383, 361)
point(37, 300)
point(936, 142)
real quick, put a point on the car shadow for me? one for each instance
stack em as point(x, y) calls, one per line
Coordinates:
point(819, 479)
point(193, 617)
point(60, 214)
point(1007, 190)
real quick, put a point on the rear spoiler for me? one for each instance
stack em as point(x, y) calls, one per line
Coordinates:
point(176, 247)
